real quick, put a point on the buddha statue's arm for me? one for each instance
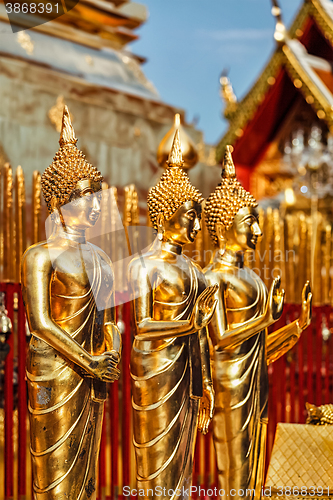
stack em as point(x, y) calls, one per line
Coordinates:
point(36, 278)
point(205, 357)
point(113, 341)
point(229, 338)
point(280, 341)
point(207, 402)
point(147, 328)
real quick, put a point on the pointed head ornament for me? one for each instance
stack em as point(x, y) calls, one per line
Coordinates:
point(68, 167)
point(175, 157)
point(189, 152)
point(228, 198)
point(174, 188)
point(229, 170)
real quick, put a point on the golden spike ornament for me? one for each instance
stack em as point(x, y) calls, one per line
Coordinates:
point(238, 330)
point(8, 226)
point(229, 170)
point(36, 207)
point(170, 365)
point(20, 220)
point(75, 346)
point(175, 157)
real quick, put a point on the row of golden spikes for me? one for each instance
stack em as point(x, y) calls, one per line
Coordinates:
point(286, 250)
point(13, 221)
point(285, 247)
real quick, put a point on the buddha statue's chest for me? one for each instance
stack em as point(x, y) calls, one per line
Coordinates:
point(173, 293)
point(244, 297)
point(72, 275)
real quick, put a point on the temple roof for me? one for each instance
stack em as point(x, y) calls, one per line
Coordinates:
point(295, 71)
point(88, 43)
point(98, 23)
point(106, 67)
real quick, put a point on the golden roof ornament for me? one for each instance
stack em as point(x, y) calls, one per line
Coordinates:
point(228, 95)
point(68, 167)
point(280, 34)
point(189, 152)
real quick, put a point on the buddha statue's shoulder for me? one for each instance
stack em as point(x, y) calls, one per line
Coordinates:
point(37, 252)
point(218, 273)
point(144, 263)
point(102, 256)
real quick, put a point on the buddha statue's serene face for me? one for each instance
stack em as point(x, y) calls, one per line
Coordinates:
point(244, 233)
point(84, 206)
point(184, 225)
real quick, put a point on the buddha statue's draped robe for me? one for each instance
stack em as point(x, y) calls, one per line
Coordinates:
point(165, 376)
point(65, 406)
point(241, 396)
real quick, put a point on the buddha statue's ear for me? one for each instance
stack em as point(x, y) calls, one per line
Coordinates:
point(221, 235)
point(160, 226)
point(56, 215)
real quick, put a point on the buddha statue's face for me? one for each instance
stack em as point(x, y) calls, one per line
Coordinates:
point(244, 233)
point(184, 225)
point(84, 206)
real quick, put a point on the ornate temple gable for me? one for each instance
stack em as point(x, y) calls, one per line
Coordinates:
point(314, 21)
point(291, 73)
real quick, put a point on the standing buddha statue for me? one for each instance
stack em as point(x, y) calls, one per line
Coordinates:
point(75, 346)
point(242, 346)
point(170, 365)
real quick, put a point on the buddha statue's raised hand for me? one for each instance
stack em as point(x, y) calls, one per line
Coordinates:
point(204, 308)
point(286, 337)
point(306, 311)
point(274, 304)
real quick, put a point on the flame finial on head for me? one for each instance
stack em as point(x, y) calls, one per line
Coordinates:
point(228, 198)
point(174, 188)
point(175, 157)
point(67, 168)
point(228, 163)
point(67, 134)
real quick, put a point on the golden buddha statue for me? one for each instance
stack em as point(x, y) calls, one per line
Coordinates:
point(238, 330)
point(75, 346)
point(170, 365)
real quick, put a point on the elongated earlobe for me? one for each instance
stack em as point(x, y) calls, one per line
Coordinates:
point(57, 216)
point(221, 238)
point(160, 226)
